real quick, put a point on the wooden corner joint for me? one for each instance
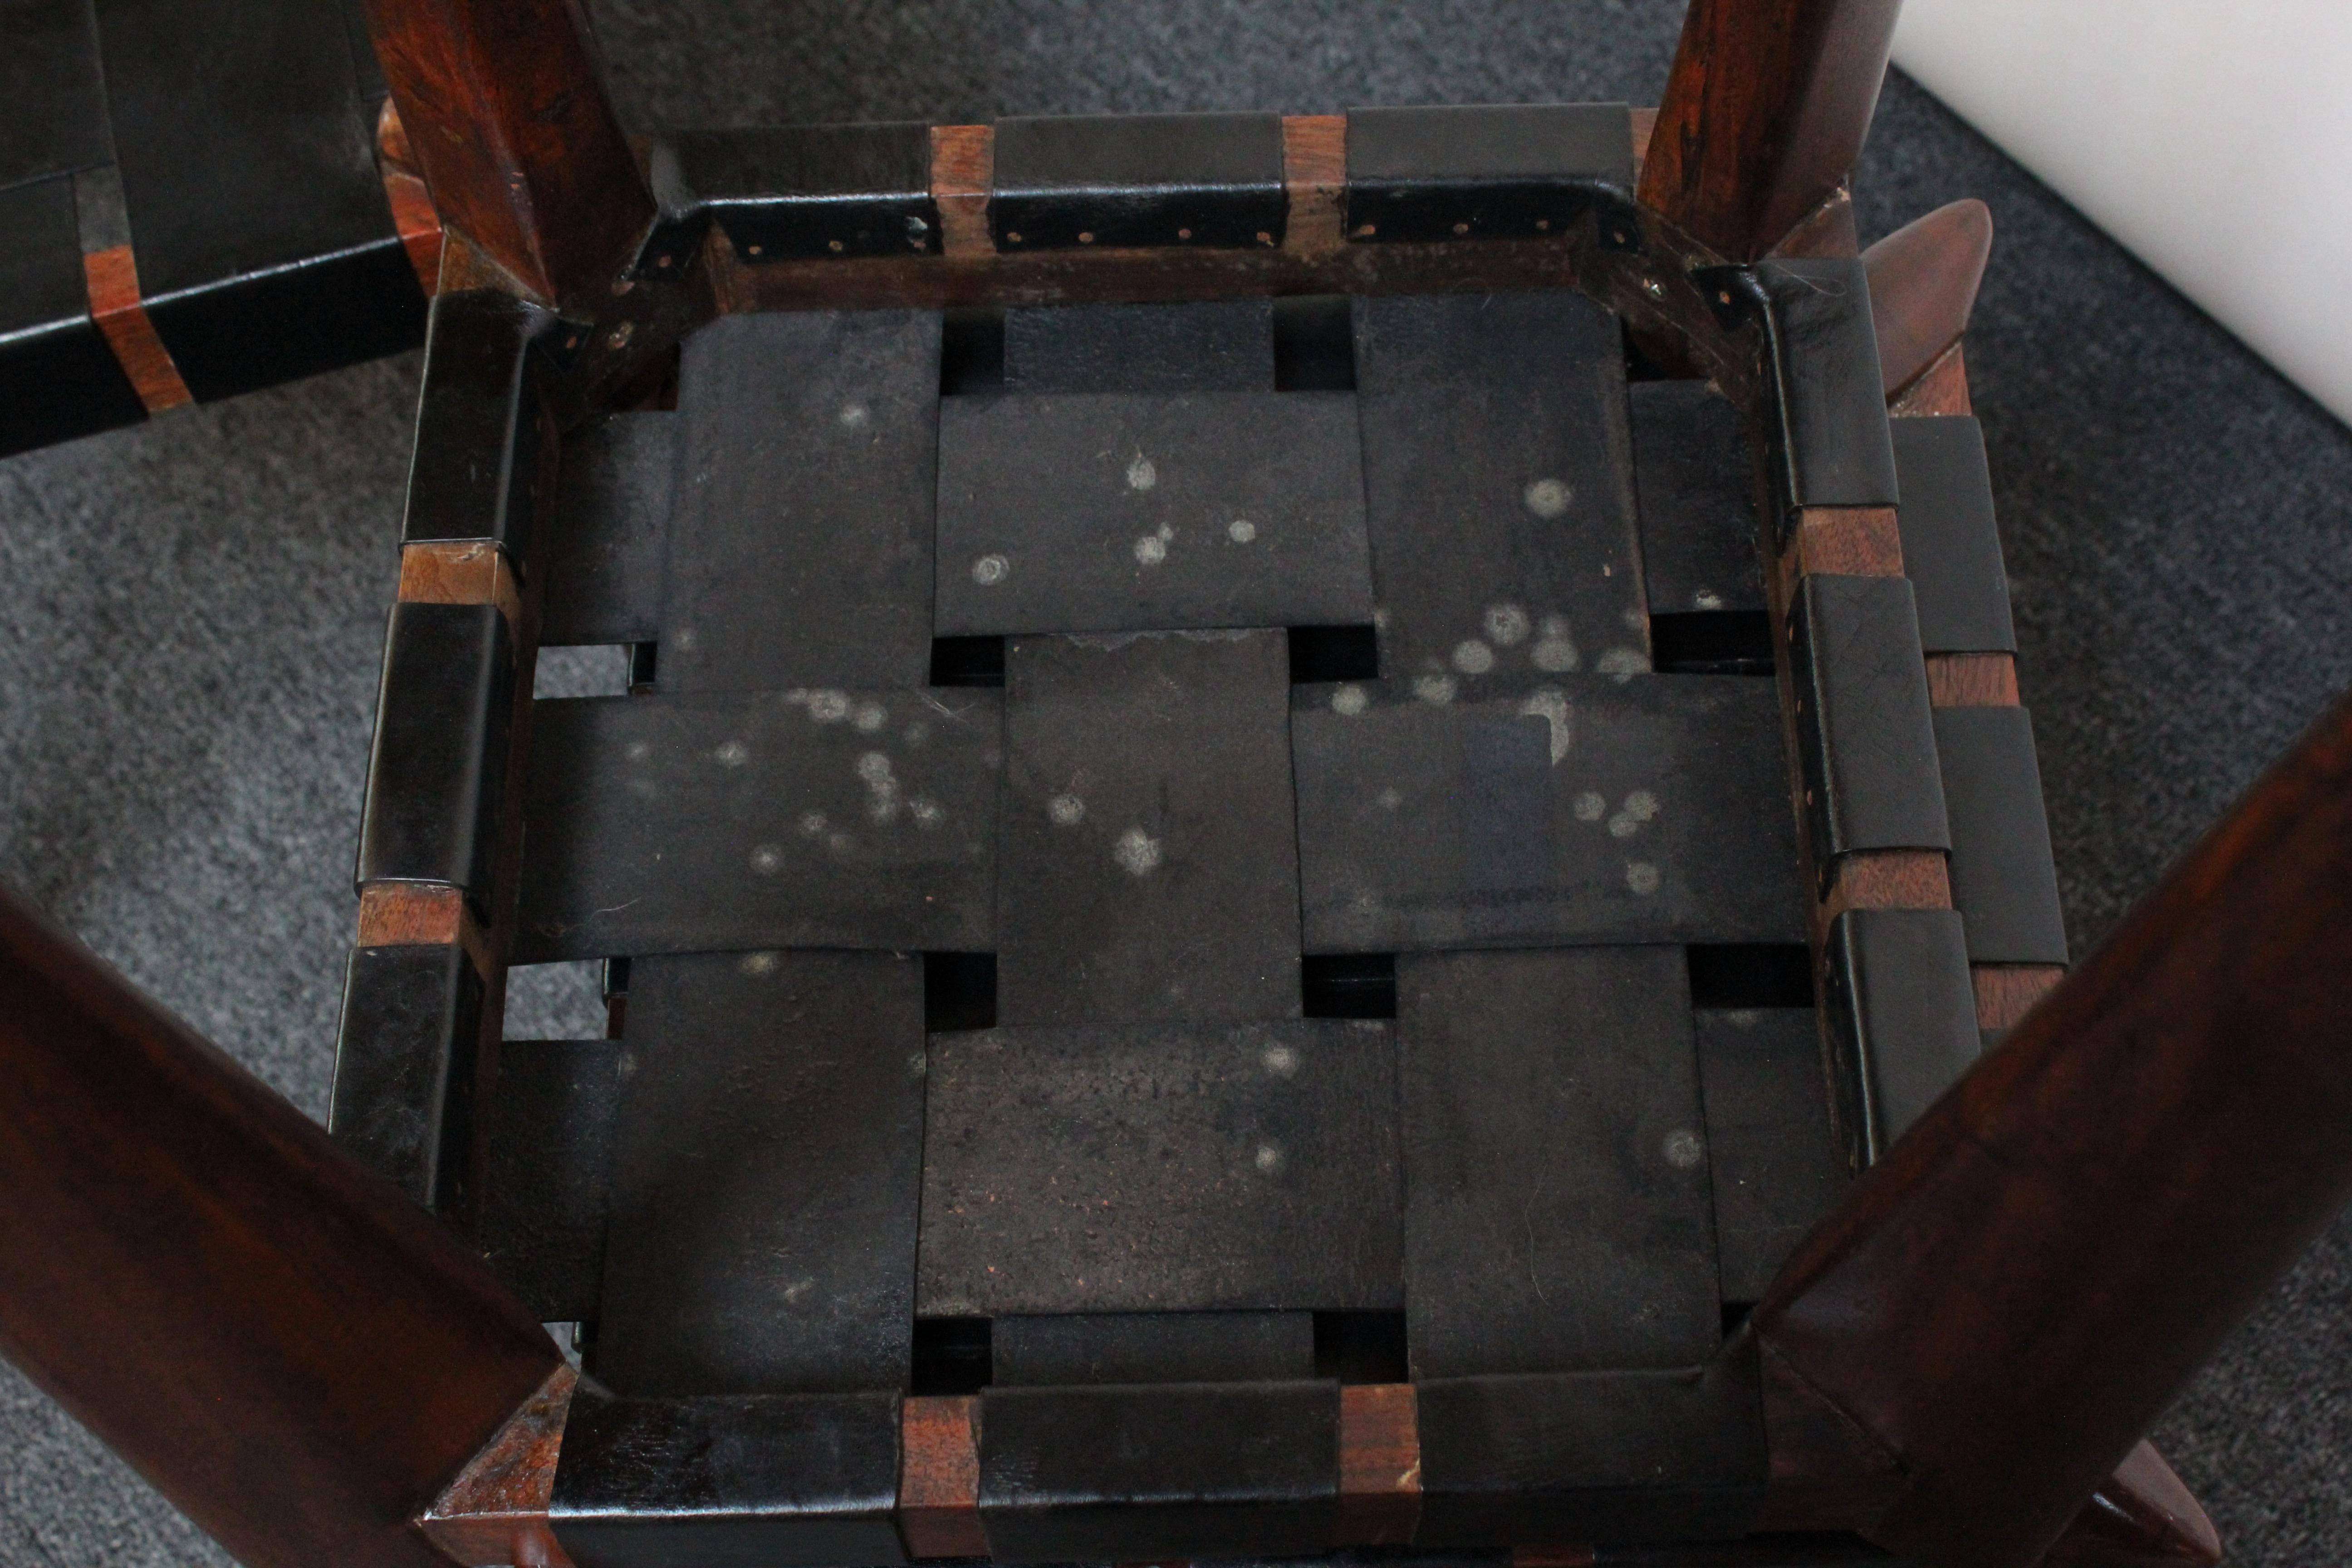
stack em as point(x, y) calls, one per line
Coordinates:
point(939, 1477)
point(1379, 1465)
point(412, 214)
point(495, 1513)
point(460, 572)
point(111, 278)
point(1826, 1470)
point(1972, 680)
point(1827, 230)
point(1941, 390)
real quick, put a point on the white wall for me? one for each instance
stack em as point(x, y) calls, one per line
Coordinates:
point(2212, 137)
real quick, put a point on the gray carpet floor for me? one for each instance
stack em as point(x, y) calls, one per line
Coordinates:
point(191, 612)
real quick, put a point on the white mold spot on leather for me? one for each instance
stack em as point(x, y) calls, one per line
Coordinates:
point(1137, 852)
point(1623, 664)
point(1555, 651)
point(1507, 626)
point(1549, 498)
point(1550, 704)
point(1473, 656)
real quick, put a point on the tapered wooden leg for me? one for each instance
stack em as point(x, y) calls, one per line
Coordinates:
point(508, 118)
point(2010, 1297)
point(2141, 1517)
point(295, 1354)
point(1923, 284)
point(1763, 114)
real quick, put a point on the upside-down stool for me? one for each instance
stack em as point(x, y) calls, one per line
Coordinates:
point(1319, 844)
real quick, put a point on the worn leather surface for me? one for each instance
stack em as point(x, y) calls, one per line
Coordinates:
point(437, 778)
point(766, 1168)
point(610, 519)
point(1951, 546)
point(477, 469)
point(1902, 1019)
point(1209, 179)
point(731, 1482)
point(1519, 171)
point(58, 379)
point(1826, 390)
point(2003, 881)
point(1557, 1208)
point(404, 1068)
point(545, 1206)
point(1774, 1159)
point(798, 191)
point(1222, 1470)
point(247, 287)
point(1865, 736)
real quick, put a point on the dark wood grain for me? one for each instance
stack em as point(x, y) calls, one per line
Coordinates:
point(1315, 172)
point(1840, 541)
point(112, 278)
point(1826, 1473)
point(1379, 1465)
point(1923, 283)
point(1764, 111)
point(495, 1513)
point(413, 218)
point(1941, 389)
point(294, 1353)
point(2118, 1183)
point(2006, 992)
point(517, 140)
point(460, 572)
point(964, 170)
point(1972, 679)
point(1827, 230)
point(1888, 879)
point(414, 914)
point(938, 1478)
point(2141, 1517)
